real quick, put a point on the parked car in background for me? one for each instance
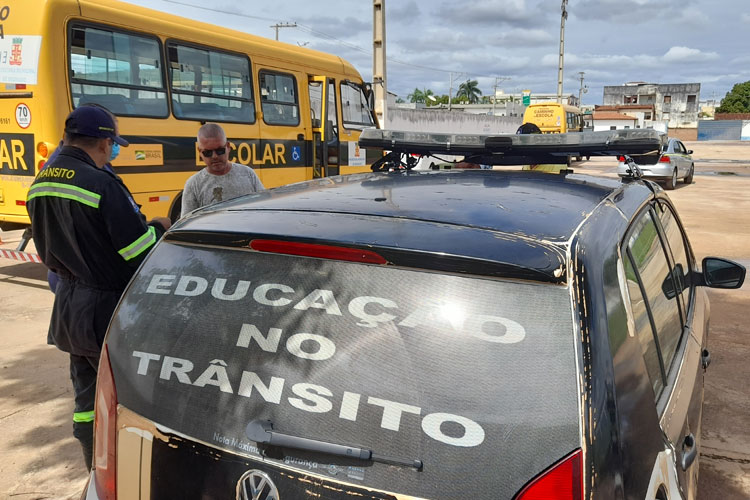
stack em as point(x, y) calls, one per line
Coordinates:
point(463, 333)
point(674, 163)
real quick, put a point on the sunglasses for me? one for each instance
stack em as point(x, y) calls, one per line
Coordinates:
point(208, 153)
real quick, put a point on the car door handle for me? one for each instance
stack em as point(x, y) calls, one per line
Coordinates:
point(689, 451)
point(705, 358)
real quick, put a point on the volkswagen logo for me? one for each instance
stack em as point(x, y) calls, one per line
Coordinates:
point(256, 485)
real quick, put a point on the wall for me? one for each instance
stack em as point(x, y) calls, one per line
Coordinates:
point(606, 124)
point(450, 122)
point(720, 130)
point(732, 116)
point(684, 134)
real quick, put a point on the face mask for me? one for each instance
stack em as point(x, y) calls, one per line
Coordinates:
point(115, 151)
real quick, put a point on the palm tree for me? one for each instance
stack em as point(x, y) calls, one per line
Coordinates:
point(420, 95)
point(469, 90)
point(416, 96)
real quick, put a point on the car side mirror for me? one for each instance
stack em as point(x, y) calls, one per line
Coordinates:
point(722, 273)
point(690, 151)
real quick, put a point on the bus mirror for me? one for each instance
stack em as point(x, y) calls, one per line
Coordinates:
point(316, 123)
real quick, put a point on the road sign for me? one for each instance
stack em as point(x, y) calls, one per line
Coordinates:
point(526, 97)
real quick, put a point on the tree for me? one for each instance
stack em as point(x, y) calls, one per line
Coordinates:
point(416, 96)
point(469, 90)
point(421, 96)
point(737, 100)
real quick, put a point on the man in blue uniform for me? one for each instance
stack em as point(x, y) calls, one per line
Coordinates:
point(89, 231)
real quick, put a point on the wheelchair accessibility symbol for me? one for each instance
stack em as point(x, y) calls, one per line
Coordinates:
point(296, 153)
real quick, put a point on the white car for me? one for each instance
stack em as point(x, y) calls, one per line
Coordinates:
point(675, 163)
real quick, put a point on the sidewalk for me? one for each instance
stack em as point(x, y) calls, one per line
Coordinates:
point(39, 458)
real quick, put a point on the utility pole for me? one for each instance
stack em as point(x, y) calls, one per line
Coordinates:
point(582, 89)
point(563, 17)
point(282, 25)
point(378, 61)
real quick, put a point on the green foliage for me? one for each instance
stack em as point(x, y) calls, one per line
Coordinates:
point(421, 96)
point(469, 90)
point(737, 100)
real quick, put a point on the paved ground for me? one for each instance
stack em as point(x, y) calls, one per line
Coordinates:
point(39, 459)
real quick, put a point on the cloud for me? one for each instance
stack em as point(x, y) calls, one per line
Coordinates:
point(625, 11)
point(694, 17)
point(401, 13)
point(342, 27)
point(490, 12)
point(526, 38)
point(686, 54)
point(745, 17)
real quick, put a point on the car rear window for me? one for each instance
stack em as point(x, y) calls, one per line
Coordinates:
point(462, 373)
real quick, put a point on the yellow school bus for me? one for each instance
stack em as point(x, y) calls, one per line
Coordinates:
point(554, 117)
point(291, 113)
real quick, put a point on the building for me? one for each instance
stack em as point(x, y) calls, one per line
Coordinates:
point(677, 104)
point(612, 120)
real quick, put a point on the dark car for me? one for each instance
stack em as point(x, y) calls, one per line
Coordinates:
point(473, 334)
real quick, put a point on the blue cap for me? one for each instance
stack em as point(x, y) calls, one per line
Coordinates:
point(93, 121)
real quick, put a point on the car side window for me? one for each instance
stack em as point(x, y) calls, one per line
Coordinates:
point(652, 288)
point(643, 329)
point(678, 246)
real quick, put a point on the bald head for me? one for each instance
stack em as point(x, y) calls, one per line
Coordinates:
point(212, 131)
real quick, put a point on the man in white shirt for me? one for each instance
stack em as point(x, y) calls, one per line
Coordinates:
point(221, 179)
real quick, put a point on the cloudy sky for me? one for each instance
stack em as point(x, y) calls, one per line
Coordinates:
point(512, 42)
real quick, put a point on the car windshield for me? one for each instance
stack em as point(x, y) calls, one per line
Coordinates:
point(458, 372)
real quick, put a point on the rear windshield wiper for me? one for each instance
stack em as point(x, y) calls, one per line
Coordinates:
point(261, 431)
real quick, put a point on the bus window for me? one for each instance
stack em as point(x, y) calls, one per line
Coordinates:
point(315, 89)
point(118, 70)
point(278, 98)
point(333, 121)
point(354, 107)
point(210, 85)
point(332, 131)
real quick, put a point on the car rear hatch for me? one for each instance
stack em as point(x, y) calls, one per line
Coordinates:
point(460, 386)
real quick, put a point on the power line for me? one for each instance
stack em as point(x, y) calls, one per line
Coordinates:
point(326, 36)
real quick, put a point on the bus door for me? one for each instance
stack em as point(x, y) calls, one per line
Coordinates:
point(325, 126)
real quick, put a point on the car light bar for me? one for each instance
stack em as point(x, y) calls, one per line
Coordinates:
point(641, 144)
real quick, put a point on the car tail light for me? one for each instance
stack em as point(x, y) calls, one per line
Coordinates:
point(318, 251)
point(105, 431)
point(664, 159)
point(562, 481)
point(621, 159)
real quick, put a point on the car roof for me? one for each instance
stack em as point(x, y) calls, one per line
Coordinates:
point(518, 218)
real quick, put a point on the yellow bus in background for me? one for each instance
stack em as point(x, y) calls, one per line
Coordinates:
point(554, 117)
point(291, 113)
